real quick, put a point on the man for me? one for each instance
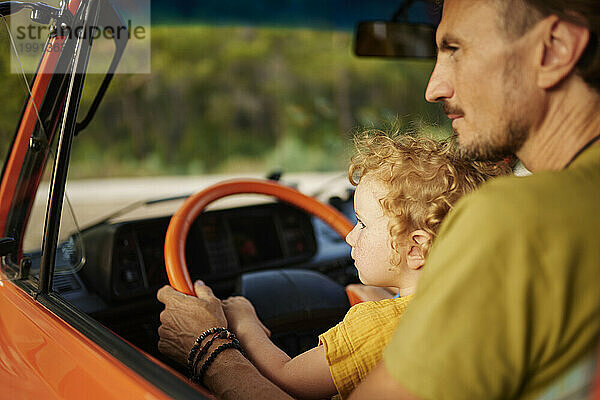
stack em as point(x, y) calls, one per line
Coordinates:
point(509, 306)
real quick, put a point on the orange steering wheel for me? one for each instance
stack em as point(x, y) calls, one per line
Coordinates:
point(182, 220)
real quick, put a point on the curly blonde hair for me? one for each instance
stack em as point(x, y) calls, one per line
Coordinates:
point(424, 177)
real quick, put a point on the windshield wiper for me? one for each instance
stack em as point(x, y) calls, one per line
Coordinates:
point(134, 206)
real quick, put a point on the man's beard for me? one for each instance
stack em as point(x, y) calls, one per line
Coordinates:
point(495, 146)
point(500, 142)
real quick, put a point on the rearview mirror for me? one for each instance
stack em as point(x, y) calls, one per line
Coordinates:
point(394, 39)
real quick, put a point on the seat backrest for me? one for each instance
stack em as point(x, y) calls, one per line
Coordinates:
point(296, 305)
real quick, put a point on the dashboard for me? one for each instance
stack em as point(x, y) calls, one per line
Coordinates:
point(248, 250)
point(126, 260)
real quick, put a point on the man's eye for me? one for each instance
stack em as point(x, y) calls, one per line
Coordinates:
point(447, 46)
point(361, 224)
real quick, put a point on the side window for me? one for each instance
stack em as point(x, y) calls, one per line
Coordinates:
point(27, 173)
point(13, 93)
point(69, 254)
point(27, 215)
point(5, 141)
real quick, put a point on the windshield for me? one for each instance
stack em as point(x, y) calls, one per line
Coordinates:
point(230, 99)
point(226, 100)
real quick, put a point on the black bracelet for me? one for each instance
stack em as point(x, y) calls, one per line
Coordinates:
point(219, 335)
point(197, 343)
point(234, 344)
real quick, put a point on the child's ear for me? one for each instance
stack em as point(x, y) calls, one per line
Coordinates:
point(417, 242)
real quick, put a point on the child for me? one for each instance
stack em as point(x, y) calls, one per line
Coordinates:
point(405, 187)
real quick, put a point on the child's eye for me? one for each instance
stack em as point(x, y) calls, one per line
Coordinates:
point(361, 224)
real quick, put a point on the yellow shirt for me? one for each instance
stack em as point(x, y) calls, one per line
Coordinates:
point(356, 344)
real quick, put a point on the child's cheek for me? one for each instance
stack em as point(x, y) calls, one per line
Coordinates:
point(362, 244)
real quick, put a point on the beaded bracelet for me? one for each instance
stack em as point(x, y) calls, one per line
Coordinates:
point(234, 344)
point(197, 343)
point(219, 335)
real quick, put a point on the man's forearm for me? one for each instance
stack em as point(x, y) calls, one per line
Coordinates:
point(232, 377)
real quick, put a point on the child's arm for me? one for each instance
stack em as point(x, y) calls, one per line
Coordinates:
point(305, 376)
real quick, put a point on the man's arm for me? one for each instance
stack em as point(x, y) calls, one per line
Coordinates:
point(379, 384)
point(230, 376)
point(305, 376)
point(233, 377)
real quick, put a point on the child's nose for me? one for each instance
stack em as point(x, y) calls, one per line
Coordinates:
point(351, 237)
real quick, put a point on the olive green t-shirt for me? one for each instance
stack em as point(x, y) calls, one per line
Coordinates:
point(509, 300)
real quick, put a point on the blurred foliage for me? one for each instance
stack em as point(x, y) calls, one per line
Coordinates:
point(12, 92)
point(231, 99)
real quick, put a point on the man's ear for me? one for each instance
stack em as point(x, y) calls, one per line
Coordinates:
point(563, 44)
point(419, 240)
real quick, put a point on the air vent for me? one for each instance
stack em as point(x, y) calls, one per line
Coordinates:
point(65, 283)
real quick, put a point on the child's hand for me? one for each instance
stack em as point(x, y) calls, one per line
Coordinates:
point(241, 316)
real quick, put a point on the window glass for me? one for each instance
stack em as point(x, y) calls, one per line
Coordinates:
point(242, 101)
point(15, 89)
point(70, 253)
point(251, 99)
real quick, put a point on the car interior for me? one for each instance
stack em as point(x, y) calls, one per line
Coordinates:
point(290, 264)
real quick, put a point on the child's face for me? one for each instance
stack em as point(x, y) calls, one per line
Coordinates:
point(370, 238)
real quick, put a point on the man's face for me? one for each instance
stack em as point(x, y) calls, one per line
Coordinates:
point(482, 80)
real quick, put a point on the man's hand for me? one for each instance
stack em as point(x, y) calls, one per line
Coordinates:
point(185, 318)
point(241, 316)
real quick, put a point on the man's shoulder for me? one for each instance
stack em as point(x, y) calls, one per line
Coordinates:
point(545, 193)
point(525, 207)
point(502, 201)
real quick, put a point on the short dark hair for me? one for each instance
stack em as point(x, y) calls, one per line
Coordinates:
point(518, 16)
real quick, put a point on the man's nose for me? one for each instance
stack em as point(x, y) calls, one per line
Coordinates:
point(439, 88)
